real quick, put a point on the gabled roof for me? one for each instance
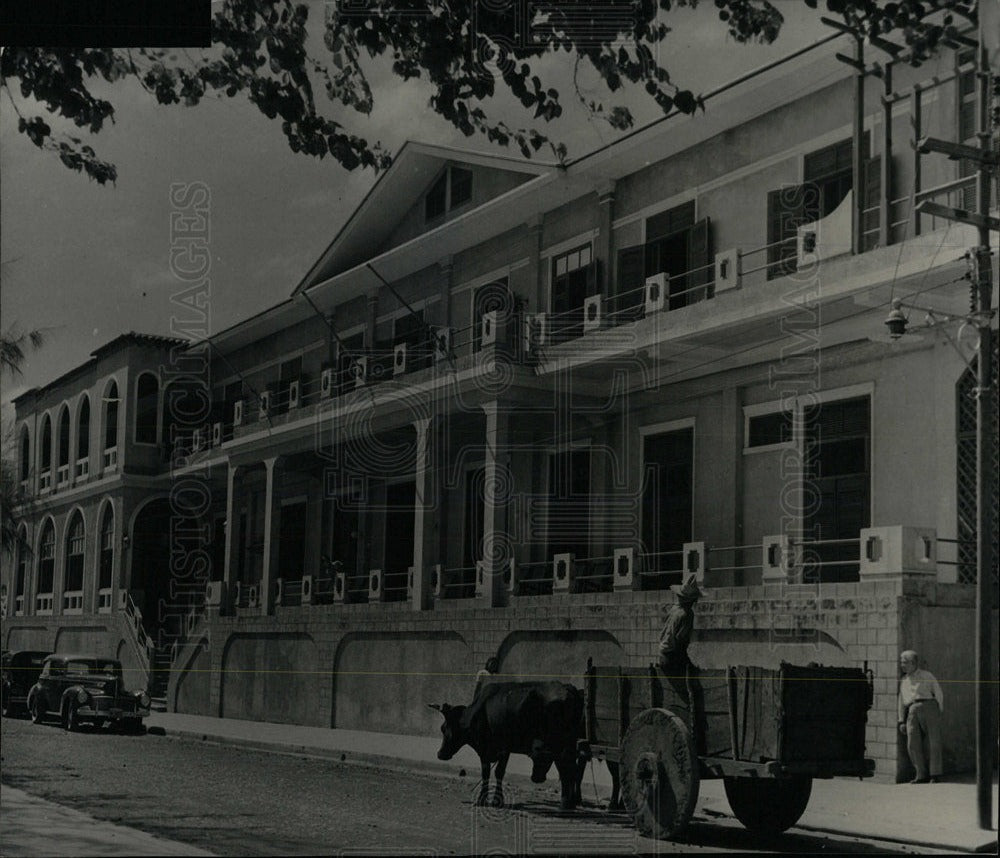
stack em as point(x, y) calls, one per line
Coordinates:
point(397, 189)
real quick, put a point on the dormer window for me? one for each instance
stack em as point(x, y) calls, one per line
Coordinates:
point(452, 189)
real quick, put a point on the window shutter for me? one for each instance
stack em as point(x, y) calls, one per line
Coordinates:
point(699, 255)
point(671, 221)
point(786, 211)
point(872, 187)
point(594, 281)
point(628, 287)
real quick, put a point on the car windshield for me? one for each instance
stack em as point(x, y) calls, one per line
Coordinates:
point(97, 667)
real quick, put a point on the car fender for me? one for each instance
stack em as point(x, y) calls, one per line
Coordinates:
point(33, 692)
point(70, 694)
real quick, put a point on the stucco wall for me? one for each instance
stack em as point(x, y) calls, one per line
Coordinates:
point(193, 692)
point(272, 677)
point(383, 679)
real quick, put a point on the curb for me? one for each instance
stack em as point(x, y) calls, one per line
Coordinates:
point(444, 769)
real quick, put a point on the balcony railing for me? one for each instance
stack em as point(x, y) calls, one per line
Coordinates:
point(43, 603)
point(73, 602)
point(110, 458)
point(104, 600)
point(62, 475)
point(45, 480)
point(82, 468)
point(19, 606)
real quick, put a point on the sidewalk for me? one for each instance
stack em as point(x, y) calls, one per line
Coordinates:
point(934, 815)
point(33, 826)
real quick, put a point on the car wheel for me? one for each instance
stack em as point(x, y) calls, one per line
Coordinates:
point(133, 726)
point(36, 710)
point(72, 720)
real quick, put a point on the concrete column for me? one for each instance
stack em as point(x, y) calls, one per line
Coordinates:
point(447, 266)
point(604, 249)
point(424, 518)
point(371, 315)
point(272, 521)
point(59, 567)
point(535, 267)
point(232, 530)
point(497, 491)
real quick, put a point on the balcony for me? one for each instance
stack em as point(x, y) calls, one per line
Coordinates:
point(104, 600)
point(62, 474)
point(110, 459)
point(43, 604)
point(45, 481)
point(82, 468)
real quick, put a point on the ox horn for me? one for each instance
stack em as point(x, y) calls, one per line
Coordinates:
point(436, 706)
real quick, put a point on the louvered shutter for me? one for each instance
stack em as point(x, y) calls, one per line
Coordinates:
point(699, 255)
point(786, 210)
point(630, 282)
point(872, 187)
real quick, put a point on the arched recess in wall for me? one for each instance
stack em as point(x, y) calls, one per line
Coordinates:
point(109, 416)
point(46, 555)
point(24, 454)
point(105, 560)
point(148, 561)
point(557, 654)
point(45, 451)
point(381, 680)
point(76, 537)
point(83, 437)
point(147, 405)
point(187, 405)
point(63, 443)
point(21, 573)
point(193, 688)
point(272, 677)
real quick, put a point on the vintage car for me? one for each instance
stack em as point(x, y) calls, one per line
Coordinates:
point(19, 671)
point(86, 689)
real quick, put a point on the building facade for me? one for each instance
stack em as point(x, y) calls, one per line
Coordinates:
point(514, 402)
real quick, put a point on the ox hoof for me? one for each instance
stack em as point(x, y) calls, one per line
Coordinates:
point(497, 799)
point(482, 799)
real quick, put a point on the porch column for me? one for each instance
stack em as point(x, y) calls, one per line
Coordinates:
point(603, 251)
point(371, 317)
point(272, 521)
point(232, 529)
point(59, 565)
point(539, 302)
point(447, 267)
point(497, 548)
point(424, 518)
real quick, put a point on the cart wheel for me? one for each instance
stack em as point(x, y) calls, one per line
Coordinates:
point(769, 805)
point(659, 773)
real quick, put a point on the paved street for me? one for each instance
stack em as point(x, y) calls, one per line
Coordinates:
point(234, 801)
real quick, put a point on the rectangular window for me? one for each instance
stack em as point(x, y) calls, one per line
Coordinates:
point(574, 278)
point(452, 189)
point(764, 430)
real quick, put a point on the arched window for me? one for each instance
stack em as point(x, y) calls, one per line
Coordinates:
point(46, 565)
point(62, 442)
point(45, 454)
point(73, 591)
point(83, 432)
point(22, 569)
point(24, 455)
point(106, 559)
point(111, 417)
point(146, 400)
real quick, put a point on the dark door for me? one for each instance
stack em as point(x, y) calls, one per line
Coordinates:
point(399, 501)
point(568, 518)
point(292, 541)
point(667, 502)
point(838, 442)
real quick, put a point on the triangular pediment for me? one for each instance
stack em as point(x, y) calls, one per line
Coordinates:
point(397, 208)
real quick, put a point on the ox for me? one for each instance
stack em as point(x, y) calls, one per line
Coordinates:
point(543, 720)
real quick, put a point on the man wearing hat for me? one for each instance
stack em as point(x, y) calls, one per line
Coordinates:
point(676, 634)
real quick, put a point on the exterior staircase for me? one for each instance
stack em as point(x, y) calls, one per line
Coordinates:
point(159, 678)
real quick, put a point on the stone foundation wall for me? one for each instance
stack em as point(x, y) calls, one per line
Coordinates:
point(375, 665)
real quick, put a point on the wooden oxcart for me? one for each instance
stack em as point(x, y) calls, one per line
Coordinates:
point(766, 732)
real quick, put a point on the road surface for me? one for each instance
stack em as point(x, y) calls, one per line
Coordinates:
point(237, 801)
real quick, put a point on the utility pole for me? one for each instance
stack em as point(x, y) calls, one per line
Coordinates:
point(985, 409)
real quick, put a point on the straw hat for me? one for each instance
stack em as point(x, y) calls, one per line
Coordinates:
point(689, 591)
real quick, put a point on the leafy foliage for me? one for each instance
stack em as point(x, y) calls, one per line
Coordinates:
point(468, 50)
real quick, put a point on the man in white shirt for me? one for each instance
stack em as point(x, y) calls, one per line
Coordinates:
point(920, 706)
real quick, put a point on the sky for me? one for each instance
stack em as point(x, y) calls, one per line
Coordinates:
point(85, 262)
